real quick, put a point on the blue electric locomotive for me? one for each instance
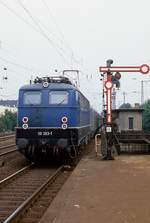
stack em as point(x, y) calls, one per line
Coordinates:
point(54, 118)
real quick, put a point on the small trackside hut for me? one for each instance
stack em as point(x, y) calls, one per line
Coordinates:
point(128, 119)
point(128, 130)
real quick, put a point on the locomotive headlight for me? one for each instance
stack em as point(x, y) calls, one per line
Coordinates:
point(25, 126)
point(25, 119)
point(64, 119)
point(64, 126)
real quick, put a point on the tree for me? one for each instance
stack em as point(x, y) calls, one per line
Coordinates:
point(146, 115)
point(8, 121)
point(125, 105)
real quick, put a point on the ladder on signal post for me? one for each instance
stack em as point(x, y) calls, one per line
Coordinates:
point(108, 75)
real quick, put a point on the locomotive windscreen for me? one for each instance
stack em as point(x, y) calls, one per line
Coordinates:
point(32, 98)
point(58, 97)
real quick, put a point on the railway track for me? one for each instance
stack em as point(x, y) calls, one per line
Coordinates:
point(19, 191)
point(7, 140)
point(4, 138)
point(6, 150)
point(7, 145)
point(26, 194)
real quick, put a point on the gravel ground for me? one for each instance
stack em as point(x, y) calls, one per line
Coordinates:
point(11, 163)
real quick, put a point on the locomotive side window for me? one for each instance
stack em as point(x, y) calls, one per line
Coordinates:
point(77, 98)
point(58, 97)
point(32, 98)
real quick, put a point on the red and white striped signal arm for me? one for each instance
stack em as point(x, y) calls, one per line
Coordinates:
point(144, 69)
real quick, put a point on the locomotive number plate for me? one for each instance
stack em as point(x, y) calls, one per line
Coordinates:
point(45, 133)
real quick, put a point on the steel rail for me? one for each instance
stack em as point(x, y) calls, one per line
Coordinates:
point(3, 138)
point(17, 214)
point(8, 152)
point(14, 175)
point(8, 146)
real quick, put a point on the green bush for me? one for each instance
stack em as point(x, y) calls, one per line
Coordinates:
point(8, 121)
point(146, 115)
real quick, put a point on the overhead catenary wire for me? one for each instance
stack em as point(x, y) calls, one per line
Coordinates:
point(4, 47)
point(50, 33)
point(40, 29)
point(16, 64)
point(61, 38)
point(11, 55)
point(17, 15)
point(37, 29)
point(14, 72)
point(58, 28)
point(53, 18)
point(86, 74)
point(26, 22)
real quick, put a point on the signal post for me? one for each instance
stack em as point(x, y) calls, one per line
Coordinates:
point(111, 76)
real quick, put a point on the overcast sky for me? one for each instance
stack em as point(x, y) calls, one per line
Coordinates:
point(39, 36)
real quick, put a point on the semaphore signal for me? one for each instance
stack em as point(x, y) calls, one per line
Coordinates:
point(111, 81)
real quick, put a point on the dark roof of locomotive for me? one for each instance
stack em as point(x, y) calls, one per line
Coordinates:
point(39, 86)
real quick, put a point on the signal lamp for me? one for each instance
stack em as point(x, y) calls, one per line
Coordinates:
point(117, 76)
point(108, 84)
point(25, 119)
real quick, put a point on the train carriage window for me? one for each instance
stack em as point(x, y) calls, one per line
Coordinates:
point(58, 97)
point(32, 98)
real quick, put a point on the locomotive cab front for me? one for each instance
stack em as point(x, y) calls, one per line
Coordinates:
point(47, 119)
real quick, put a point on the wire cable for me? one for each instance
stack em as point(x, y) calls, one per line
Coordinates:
point(16, 64)
point(13, 55)
point(40, 29)
point(56, 24)
point(61, 33)
point(17, 15)
point(33, 27)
